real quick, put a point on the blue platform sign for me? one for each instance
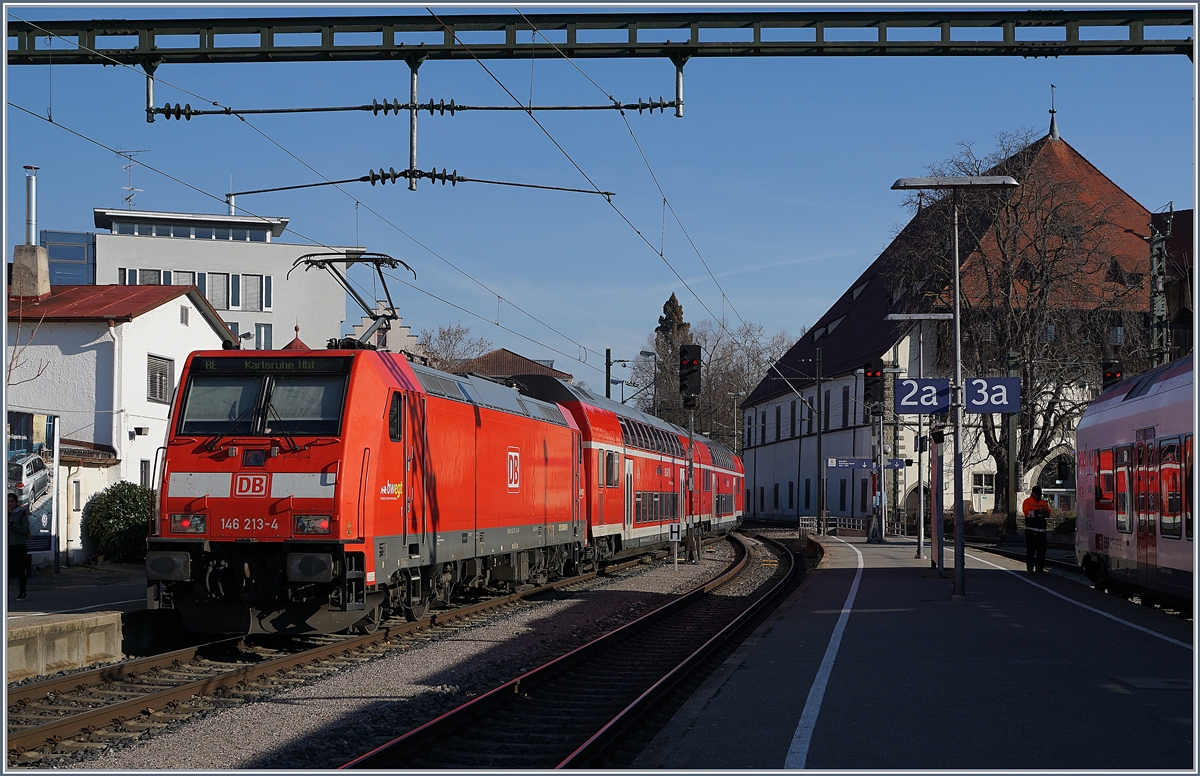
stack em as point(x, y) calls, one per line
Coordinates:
point(993, 394)
point(894, 463)
point(850, 463)
point(922, 396)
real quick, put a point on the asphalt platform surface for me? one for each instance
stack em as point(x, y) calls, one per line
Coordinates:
point(107, 587)
point(1030, 672)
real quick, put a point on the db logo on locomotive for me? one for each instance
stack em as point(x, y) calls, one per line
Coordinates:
point(514, 469)
point(250, 485)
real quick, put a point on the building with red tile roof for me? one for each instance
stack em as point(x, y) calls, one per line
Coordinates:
point(504, 363)
point(1091, 232)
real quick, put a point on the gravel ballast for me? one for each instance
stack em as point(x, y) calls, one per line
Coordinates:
point(326, 721)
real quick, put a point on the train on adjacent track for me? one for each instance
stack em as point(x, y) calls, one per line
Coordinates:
point(311, 491)
point(1135, 486)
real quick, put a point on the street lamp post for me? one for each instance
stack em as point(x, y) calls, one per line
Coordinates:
point(736, 438)
point(954, 184)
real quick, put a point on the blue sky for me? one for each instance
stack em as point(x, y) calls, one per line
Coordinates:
point(780, 170)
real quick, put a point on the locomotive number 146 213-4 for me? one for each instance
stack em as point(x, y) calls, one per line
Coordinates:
point(248, 524)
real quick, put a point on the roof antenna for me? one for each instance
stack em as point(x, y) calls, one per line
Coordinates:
point(1053, 124)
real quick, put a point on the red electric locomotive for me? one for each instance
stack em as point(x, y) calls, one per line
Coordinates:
point(310, 491)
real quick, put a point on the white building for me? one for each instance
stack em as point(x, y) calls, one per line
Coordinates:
point(106, 360)
point(235, 261)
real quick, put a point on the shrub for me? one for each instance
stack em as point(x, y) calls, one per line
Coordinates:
point(118, 518)
point(1065, 525)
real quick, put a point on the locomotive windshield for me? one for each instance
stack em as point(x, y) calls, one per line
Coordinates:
point(264, 396)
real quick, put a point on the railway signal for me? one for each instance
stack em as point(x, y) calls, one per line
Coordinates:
point(873, 387)
point(1114, 372)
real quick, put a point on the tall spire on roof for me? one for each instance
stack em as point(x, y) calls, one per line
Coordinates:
point(1053, 124)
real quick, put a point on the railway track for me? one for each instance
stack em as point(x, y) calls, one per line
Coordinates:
point(88, 709)
point(567, 711)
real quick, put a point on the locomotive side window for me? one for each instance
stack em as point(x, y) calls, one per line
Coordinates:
point(1122, 483)
point(220, 404)
point(1105, 480)
point(1171, 492)
point(396, 418)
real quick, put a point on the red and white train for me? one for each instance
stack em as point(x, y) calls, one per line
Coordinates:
point(311, 491)
point(1135, 486)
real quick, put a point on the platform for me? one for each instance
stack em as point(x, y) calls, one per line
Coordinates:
point(1031, 672)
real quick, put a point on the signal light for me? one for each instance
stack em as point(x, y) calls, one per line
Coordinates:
point(1114, 372)
point(873, 386)
point(689, 370)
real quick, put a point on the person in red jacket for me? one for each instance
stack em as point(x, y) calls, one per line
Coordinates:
point(1037, 512)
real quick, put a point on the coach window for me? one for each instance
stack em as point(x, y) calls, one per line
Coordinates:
point(600, 469)
point(1121, 477)
point(611, 469)
point(1104, 479)
point(1187, 486)
point(1171, 491)
point(708, 479)
point(396, 418)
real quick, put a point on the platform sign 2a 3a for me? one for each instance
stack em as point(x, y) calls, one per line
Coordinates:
point(922, 396)
point(993, 394)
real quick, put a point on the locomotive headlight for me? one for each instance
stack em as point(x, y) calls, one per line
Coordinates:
point(191, 524)
point(312, 524)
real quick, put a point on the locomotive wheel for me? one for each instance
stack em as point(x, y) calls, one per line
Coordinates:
point(369, 624)
point(417, 611)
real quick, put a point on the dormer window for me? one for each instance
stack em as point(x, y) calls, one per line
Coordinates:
point(858, 290)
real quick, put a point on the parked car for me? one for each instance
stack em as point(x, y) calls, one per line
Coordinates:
point(28, 477)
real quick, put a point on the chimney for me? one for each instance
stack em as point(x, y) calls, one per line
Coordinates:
point(31, 205)
point(31, 264)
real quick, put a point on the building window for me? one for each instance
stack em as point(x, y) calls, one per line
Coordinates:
point(778, 421)
point(825, 413)
point(1116, 335)
point(121, 276)
point(252, 300)
point(202, 283)
point(76, 496)
point(791, 495)
point(862, 500)
point(235, 292)
point(762, 428)
point(149, 277)
point(160, 378)
point(807, 493)
point(218, 290)
point(983, 484)
point(262, 336)
point(811, 414)
point(204, 233)
point(123, 228)
point(180, 278)
point(845, 406)
point(233, 327)
point(1048, 333)
point(762, 498)
point(748, 429)
point(381, 339)
point(258, 235)
point(267, 292)
point(183, 314)
point(842, 497)
point(792, 419)
point(144, 473)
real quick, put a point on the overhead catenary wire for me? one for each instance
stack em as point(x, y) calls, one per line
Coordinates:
point(583, 348)
point(441, 107)
point(391, 175)
point(573, 357)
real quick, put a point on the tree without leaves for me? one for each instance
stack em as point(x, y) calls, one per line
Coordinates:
point(449, 346)
point(1048, 271)
point(733, 361)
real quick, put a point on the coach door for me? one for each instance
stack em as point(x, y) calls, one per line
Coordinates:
point(628, 496)
point(1145, 503)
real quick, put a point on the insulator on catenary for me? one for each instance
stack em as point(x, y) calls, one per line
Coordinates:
point(385, 106)
point(440, 106)
point(177, 111)
point(384, 176)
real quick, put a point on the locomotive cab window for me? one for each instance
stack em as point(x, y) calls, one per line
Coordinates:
point(238, 396)
point(396, 418)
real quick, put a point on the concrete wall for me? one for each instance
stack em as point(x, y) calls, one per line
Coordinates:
point(312, 299)
point(46, 644)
